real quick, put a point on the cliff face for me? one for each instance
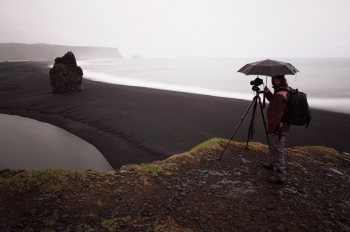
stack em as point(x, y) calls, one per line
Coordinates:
point(19, 51)
point(65, 75)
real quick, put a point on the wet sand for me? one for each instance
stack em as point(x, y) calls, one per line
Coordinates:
point(139, 125)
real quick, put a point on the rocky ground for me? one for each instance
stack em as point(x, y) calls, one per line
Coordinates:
point(187, 192)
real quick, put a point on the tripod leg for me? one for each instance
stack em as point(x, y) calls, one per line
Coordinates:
point(263, 117)
point(254, 128)
point(252, 122)
point(237, 128)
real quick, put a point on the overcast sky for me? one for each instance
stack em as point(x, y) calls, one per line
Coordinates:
point(164, 28)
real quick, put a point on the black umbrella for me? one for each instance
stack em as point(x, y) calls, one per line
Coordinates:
point(268, 68)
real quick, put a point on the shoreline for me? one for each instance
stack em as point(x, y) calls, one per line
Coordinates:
point(140, 125)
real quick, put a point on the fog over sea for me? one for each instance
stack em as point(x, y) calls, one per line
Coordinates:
point(325, 80)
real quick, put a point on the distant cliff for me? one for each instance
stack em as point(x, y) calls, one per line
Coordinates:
point(20, 51)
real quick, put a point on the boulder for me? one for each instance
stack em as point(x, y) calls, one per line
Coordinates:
point(65, 75)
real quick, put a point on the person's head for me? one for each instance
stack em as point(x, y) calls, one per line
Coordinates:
point(279, 80)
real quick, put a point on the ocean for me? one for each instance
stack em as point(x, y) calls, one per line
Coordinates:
point(326, 81)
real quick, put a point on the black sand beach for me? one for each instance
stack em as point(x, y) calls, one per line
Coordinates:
point(139, 125)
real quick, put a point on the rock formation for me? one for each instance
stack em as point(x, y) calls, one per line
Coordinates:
point(65, 75)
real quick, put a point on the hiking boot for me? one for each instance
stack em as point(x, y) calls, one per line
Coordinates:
point(268, 166)
point(275, 180)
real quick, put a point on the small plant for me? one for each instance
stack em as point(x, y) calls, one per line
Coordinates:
point(59, 66)
point(88, 228)
point(39, 183)
point(210, 143)
point(125, 219)
point(39, 199)
point(110, 224)
point(119, 191)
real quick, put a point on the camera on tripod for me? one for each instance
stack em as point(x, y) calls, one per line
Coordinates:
point(255, 83)
point(255, 103)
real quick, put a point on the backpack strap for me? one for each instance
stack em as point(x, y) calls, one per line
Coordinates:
point(289, 90)
point(283, 93)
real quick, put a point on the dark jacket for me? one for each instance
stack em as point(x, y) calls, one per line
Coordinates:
point(277, 108)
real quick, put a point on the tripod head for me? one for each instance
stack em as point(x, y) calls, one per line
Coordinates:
point(256, 89)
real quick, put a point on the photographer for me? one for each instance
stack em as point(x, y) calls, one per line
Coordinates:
point(276, 128)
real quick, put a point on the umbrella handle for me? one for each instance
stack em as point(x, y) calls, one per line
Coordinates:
point(264, 94)
point(263, 107)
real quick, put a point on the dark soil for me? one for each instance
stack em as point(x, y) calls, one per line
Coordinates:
point(192, 192)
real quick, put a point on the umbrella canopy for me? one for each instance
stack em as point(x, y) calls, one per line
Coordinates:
point(268, 68)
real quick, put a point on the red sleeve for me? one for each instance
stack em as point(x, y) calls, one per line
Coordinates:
point(268, 96)
point(275, 112)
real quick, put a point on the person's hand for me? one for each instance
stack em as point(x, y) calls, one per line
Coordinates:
point(266, 89)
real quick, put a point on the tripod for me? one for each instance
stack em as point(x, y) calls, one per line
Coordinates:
point(251, 130)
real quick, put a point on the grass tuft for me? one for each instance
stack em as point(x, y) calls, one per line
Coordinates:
point(112, 224)
point(148, 169)
point(46, 182)
point(314, 153)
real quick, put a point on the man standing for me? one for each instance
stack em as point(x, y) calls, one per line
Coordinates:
point(277, 129)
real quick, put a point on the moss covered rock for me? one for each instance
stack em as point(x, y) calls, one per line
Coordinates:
point(65, 75)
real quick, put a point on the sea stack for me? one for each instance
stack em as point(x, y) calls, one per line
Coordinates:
point(65, 75)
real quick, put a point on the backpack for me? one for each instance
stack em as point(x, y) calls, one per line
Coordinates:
point(299, 113)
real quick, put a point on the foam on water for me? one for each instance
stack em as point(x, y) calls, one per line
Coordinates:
point(106, 78)
point(326, 81)
point(340, 105)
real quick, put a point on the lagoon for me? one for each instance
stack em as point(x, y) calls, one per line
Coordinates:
point(32, 145)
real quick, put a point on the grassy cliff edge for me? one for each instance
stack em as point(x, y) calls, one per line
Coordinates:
point(192, 191)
